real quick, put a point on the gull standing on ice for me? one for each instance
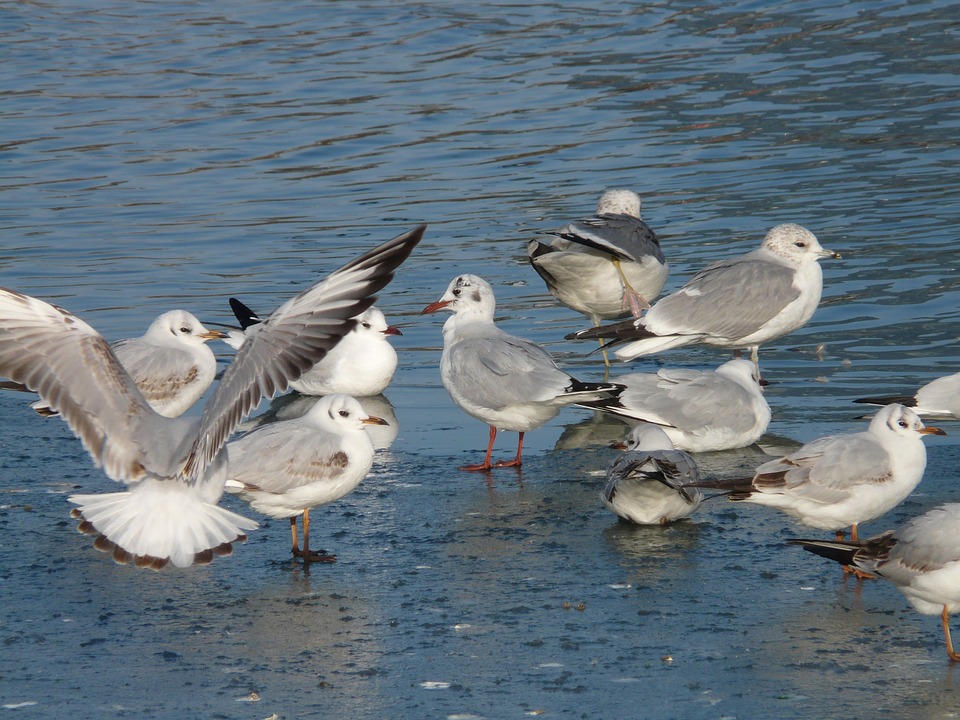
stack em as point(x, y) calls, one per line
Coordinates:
point(699, 410)
point(739, 303)
point(284, 468)
point(921, 557)
point(508, 382)
point(606, 266)
point(840, 481)
point(362, 363)
point(175, 468)
point(938, 398)
point(645, 484)
point(171, 364)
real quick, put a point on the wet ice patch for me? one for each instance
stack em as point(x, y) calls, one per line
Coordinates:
point(434, 685)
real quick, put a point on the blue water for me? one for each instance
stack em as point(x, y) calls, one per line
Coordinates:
point(161, 155)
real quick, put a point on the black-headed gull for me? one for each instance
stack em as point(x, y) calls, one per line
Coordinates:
point(606, 266)
point(175, 468)
point(645, 484)
point(700, 410)
point(284, 468)
point(362, 363)
point(938, 398)
point(170, 363)
point(840, 481)
point(740, 303)
point(921, 557)
point(508, 382)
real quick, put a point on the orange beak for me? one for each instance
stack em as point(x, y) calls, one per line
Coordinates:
point(435, 306)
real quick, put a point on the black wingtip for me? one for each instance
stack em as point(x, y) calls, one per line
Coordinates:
point(245, 316)
point(905, 400)
point(838, 551)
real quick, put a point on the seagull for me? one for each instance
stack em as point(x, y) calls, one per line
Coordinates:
point(699, 410)
point(843, 480)
point(171, 364)
point(175, 468)
point(645, 484)
point(508, 382)
point(362, 364)
point(921, 557)
point(604, 266)
point(284, 468)
point(739, 303)
point(939, 398)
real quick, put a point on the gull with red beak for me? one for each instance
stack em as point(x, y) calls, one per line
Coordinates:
point(508, 382)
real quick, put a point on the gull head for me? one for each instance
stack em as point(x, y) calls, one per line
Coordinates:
point(466, 295)
point(339, 413)
point(647, 436)
point(743, 372)
point(373, 323)
point(900, 421)
point(619, 202)
point(180, 326)
point(796, 243)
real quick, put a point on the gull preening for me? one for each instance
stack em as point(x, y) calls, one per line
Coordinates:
point(699, 410)
point(740, 303)
point(606, 266)
point(840, 481)
point(361, 364)
point(938, 398)
point(646, 483)
point(508, 382)
point(175, 468)
point(921, 557)
point(285, 468)
point(171, 364)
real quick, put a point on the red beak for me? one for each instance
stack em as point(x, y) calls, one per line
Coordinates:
point(434, 306)
point(391, 330)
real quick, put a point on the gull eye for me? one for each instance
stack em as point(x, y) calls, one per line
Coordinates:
point(366, 325)
point(800, 244)
point(456, 291)
point(185, 330)
point(344, 413)
point(904, 424)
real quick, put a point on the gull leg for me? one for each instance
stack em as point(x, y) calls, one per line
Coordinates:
point(631, 297)
point(295, 548)
point(486, 462)
point(516, 461)
point(849, 569)
point(603, 345)
point(853, 533)
point(945, 619)
point(313, 555)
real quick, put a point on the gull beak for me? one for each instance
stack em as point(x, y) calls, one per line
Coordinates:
point(830, 254)
point(618, 445)
point(435, 306)
point(374, 420)
point(929, 430)
point(391, 330)
point(212, 335)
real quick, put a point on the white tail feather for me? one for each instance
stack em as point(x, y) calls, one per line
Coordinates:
point(157, 519)
point(651, 345)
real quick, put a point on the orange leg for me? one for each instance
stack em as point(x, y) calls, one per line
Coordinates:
point(486, 462)
point(307, 554)
point(516, 462)
point(295, 548)
point(853, 533)
point(945, 619)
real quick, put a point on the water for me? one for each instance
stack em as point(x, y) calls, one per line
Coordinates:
point(164, 155)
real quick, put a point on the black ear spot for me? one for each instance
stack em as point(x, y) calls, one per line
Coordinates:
point(476, 296)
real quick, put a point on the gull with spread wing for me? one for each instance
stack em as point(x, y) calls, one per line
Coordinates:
point(175, 468)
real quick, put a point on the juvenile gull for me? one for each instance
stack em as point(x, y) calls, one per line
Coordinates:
point(175, 468)
point(938, 398)
point(921, 557)
point(645, 484)
point(170, 363)
point(508, 382)
point(284, 468)
point(842, 480)
point(606, 266)
point(699, 410)
point(361, 364)
point(739, 303)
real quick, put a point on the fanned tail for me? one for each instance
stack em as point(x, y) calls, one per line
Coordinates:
point(159, 522)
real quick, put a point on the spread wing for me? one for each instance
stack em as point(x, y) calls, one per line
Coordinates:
point(72, 368)
point(293, 339)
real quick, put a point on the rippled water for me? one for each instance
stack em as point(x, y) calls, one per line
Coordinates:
point(173, 154)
